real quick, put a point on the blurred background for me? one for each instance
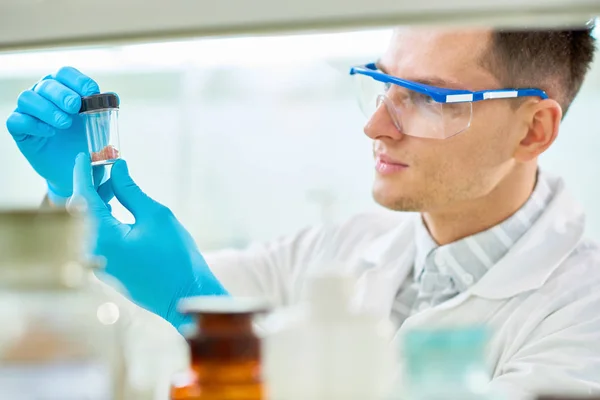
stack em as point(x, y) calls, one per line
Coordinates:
point(248, 138)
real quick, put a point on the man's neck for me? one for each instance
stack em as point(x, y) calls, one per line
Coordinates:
point(468, 218)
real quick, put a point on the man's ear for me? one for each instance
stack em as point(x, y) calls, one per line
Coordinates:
point(543, 120)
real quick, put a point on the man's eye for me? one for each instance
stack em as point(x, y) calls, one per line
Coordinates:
point(421, 98)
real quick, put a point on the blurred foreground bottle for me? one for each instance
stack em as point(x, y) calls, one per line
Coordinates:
point(60, 333)
point(225, 350)
point(324, 349)
point(446, 364)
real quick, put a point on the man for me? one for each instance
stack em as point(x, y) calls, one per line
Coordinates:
point(476, 233)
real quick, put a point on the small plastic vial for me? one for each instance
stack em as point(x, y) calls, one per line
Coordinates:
point(100, 114)
point(226, 359)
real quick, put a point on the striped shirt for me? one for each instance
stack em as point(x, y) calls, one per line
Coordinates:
point(442, 272)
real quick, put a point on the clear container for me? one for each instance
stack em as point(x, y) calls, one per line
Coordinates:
point(225, 350)
point(100, 114)
point(60, 334)
point(447, 363)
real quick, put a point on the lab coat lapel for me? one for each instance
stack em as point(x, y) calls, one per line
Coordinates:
point(386, 264)
point(532, 260)
point(527, 265)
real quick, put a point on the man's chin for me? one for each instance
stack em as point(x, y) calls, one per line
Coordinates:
point(395, 201)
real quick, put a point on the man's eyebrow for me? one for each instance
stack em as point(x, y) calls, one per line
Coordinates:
point(440, 83)
point(426, 81)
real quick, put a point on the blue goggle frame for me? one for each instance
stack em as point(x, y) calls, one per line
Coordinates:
point(443, 95)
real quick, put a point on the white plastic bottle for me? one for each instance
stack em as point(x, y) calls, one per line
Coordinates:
point(322, 349)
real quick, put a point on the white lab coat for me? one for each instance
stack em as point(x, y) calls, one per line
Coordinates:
point(542, 300)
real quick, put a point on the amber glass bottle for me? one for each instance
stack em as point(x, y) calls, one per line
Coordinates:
point(225, 351)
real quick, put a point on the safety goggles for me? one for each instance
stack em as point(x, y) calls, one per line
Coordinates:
point(421, 110)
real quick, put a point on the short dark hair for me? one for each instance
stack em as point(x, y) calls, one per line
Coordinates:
point(555, 60)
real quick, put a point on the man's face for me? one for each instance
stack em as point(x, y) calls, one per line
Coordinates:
point(442, 174)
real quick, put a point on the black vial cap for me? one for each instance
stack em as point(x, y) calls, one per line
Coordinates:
point(99, 102)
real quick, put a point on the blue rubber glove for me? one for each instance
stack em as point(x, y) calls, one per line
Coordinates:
point(155, 258)
point(49, 131)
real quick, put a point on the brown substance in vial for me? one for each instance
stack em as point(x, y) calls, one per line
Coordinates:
point(107, 153)
point(226, 360)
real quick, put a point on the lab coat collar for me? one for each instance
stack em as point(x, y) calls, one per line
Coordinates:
point(541, 250)
point(525, 267)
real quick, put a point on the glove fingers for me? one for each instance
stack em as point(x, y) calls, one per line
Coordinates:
point(34, 104)
point(85, 195)
point(60, 95)
point(106, 193)
point(129, 193)
point(47, 105)
point(98, 173)
point(75, 80)
point(22, 125)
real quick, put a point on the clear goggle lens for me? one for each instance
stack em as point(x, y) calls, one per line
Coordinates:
point(413, 113)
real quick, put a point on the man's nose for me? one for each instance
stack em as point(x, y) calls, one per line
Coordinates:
point(381, 124)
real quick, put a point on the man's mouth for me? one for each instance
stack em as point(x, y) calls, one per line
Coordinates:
point(386, 165)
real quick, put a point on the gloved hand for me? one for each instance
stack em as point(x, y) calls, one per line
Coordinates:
point(49, 131)
point(155, 258)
